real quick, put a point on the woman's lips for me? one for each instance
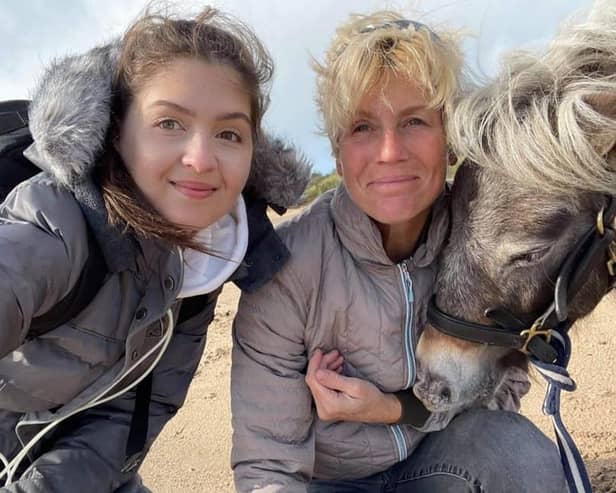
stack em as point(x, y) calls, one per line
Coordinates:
point(194, 189)
point(392, 181)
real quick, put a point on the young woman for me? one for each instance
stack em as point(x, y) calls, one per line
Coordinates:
point(147, 147)
point(354, 296)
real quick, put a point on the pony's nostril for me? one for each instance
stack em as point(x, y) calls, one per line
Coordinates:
point(445, 394)
point(433, 390)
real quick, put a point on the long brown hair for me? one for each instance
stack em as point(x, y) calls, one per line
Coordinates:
point(152, 42)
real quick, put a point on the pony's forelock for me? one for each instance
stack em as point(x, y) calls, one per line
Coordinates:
point(549, 121)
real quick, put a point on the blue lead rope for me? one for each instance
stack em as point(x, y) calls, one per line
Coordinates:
point(558, 379)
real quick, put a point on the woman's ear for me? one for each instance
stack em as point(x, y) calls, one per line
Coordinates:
point(338, 167)
point(452, 159)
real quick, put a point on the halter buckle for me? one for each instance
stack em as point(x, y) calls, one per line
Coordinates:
point(534, 331)
point(601, 221)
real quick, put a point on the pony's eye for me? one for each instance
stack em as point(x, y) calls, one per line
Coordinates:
point(530, 257)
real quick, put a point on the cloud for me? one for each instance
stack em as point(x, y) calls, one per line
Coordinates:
point(35, 31)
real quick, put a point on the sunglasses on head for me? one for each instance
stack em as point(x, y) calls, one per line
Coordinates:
point(399, 24)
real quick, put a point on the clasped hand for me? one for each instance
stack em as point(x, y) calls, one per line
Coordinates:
point(341, 398)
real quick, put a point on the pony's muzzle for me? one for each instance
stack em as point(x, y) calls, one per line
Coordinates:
point(434, 391)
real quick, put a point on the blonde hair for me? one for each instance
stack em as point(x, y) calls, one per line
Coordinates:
point(368, 49)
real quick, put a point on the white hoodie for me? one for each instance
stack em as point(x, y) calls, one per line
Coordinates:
point(227, 239)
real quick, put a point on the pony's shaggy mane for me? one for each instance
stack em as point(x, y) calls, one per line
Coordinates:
point(549, 121)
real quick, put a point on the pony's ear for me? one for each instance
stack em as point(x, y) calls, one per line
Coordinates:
point(604, 139)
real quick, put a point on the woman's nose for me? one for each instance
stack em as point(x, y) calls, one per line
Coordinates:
point(200, 154)
point(391, 147)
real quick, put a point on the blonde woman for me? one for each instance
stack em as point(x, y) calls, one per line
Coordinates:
point(323, 361)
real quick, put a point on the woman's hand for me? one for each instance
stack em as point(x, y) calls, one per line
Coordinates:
point(332, 361)
point(340, 398)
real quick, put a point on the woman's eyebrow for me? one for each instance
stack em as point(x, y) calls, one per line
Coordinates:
point(233, 115)
point(175, 106)
point(404, 111)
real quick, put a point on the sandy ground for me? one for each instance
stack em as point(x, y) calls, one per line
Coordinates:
point(192, 454)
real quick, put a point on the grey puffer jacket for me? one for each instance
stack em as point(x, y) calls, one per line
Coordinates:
point(80, 376)
point(339, 290)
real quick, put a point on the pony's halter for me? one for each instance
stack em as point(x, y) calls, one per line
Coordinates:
point(533, 338)
point(546, 340)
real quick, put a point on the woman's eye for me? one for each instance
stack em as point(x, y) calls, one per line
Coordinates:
point(360, 127)
point(169, 124)
point(230, 135)
point(412, 122)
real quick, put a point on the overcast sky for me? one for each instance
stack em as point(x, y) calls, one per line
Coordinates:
point(35, 31)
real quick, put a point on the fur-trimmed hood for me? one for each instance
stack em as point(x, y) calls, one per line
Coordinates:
point(70, 114)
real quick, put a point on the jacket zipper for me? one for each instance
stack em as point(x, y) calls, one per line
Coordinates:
point(407, 289)
point(407, 285)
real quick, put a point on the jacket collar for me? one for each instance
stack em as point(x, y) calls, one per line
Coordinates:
point(360, 236)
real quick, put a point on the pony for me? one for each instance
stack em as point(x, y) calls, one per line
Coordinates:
point(531, 241)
